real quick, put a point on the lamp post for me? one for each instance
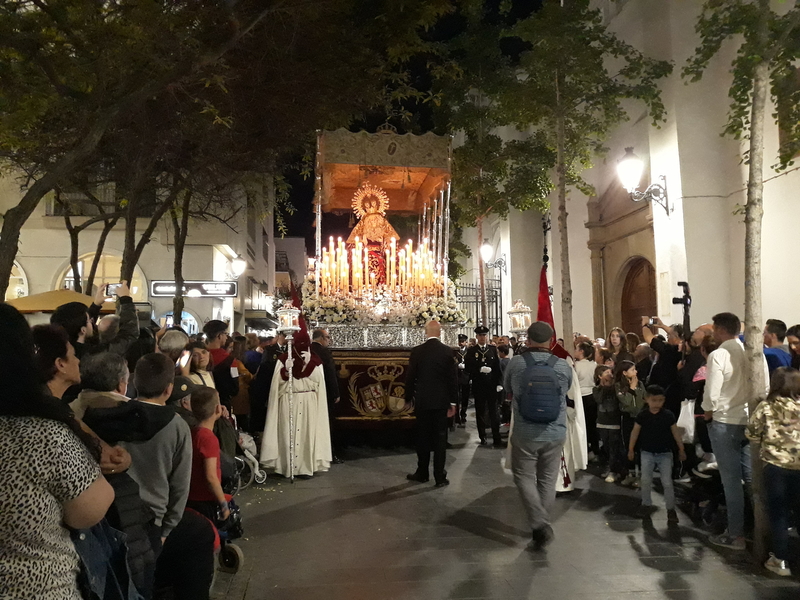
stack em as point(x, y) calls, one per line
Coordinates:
point(288, 323)
point(630, 169)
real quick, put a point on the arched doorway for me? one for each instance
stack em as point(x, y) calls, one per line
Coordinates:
point(638, 295)
point(108, 269)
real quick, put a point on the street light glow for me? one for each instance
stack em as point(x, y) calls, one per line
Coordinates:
point(238, 265)
point(629, 170)
point(486, 250)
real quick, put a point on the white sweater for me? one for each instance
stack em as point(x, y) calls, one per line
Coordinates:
point(726, 386)
point(585, 371)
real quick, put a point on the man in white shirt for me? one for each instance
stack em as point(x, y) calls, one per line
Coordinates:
point(725, 403)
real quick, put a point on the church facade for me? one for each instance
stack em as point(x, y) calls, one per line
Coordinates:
point(626, 258)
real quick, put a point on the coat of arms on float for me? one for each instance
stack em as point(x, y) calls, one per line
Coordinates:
point(382, 394)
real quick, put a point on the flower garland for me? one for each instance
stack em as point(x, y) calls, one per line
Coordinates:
point(413, 313)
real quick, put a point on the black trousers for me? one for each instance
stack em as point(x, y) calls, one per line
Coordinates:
point(463, 403)
point(185, 566)
point(335, 442)
point(590, 413)
point(431, 437)
point(486, 407)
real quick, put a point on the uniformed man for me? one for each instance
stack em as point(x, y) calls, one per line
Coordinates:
point(463, 382)
point(483, 366)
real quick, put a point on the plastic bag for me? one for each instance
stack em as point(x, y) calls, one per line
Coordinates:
point(686, 421)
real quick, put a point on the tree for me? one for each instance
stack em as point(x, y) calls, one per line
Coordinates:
point(70, 68)
point(570, 88)
point(765, 64)
point(490, 175)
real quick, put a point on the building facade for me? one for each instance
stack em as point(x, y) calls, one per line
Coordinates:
point(626, 258)
point(42, 263)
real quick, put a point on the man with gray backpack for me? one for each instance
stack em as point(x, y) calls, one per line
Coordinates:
point(539, 382)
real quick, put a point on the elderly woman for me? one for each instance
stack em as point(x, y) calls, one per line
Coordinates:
point(49, 466)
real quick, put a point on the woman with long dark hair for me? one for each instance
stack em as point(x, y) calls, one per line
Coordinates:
point(616, 343)
point(49, 468)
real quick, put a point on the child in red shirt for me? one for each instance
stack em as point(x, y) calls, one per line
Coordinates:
point(205, 489)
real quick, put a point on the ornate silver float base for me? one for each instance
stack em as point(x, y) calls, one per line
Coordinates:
point(384, 336)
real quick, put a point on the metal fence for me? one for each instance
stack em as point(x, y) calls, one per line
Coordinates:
point(469, 299)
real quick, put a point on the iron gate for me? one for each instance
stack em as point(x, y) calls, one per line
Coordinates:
point(469, 299)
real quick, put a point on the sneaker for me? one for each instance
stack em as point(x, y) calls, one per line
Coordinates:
point(645, 510)
point(610, 478)
point(777, 566)
point(707, 466)
point(628, 481)
point(727, 541)
point(685, 478)
point(672, 516)
point(701, 475)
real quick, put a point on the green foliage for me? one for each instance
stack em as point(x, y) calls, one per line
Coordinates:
point(578, 71)
point(740, 20)
point(490, 175)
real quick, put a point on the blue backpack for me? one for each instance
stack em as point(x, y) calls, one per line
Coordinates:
point(541, 399)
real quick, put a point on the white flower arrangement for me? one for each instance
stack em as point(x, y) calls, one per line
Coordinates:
point(407, 313)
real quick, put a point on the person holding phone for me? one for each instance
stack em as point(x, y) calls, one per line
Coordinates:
point(118, 332)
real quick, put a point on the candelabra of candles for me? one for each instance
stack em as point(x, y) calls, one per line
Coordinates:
point(409, 272)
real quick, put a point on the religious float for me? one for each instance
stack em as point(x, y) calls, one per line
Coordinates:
point(373, 284)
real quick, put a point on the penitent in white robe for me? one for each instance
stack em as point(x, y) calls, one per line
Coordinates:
point(312, 440)
point(576, 452)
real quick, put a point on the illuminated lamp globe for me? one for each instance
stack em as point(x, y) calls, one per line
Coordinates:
point(238, 265)
point(629, 170)
point(486, 251)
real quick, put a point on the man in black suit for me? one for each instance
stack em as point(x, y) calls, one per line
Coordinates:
point(483, 366)
point(321, 340)
point(432, 384)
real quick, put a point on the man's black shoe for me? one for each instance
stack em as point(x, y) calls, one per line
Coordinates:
point(337, 461)
point(541, 537)
point(442, 483)
point(417, 477)
point(500, 445)
point(483, 442)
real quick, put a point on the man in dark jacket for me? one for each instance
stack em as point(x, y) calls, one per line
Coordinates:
point(463, 382)
point(483, 366)
point(432, 385)
point(321, 340)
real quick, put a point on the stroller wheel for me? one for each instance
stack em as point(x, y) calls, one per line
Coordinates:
point(260, 476)
point(231, 558)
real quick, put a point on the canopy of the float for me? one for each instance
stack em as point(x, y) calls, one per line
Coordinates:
point(412, 169)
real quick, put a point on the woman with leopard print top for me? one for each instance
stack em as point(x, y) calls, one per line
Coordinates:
point(48, 466)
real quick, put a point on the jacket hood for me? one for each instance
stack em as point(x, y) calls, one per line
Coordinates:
point(131, 421)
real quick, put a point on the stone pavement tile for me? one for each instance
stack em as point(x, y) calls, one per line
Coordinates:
point(363, 531)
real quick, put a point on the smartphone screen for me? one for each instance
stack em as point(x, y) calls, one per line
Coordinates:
point(111, 289)
point(183, 360)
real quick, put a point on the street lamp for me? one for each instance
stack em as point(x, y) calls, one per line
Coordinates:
point(238, 265)
point(630, 169)
point(486, 250)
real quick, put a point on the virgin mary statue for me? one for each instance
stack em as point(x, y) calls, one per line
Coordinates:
point(309, 410)
point(370, 204)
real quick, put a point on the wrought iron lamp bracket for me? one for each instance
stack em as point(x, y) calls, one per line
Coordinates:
point(655, 192)
point(499, 263)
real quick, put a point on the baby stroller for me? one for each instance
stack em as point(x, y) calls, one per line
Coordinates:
point(231, 557)
point(247, 463)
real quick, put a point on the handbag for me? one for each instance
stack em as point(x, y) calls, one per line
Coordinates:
point(686, 421)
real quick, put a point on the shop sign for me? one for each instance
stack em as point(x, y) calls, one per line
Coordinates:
point(196, 289)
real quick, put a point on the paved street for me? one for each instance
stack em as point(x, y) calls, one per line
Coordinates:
point(362, 531)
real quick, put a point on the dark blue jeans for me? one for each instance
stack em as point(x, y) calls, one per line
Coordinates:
point(783, 494)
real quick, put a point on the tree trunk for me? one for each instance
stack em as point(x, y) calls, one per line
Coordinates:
point(482, 277)
point(133, 249)
point(563, 234)
point(77, 284)
point(181, 228)
point(98, 253)
point(754, 352)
